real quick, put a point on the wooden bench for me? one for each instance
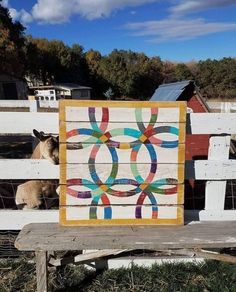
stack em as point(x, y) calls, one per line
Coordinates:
point(46, 237)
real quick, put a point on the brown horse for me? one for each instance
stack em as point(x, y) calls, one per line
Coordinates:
point(33, 193)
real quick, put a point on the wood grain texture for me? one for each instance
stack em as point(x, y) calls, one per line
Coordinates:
point(41, 269)
point(214, 170)
point(28, 169)
point(88, 257)
point(17, 219)
point(172, 170)
point(121, 215)
point(81, 156)
point(122, 114)
point(68, 111)
point(212, 123)
point(42, 169)
point(70, 197)
point(216, 190)
point(25, 122)
point(51, 236)
point(28, 104)
point(167, 132)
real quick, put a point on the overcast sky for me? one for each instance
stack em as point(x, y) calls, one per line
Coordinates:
point(180, 30)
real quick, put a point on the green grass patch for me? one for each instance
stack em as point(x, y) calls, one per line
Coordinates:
point(19, 275)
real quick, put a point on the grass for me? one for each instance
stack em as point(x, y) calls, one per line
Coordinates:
point(19, 275)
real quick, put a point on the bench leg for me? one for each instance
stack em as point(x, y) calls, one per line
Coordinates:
point(101, 265)
point(41, 270)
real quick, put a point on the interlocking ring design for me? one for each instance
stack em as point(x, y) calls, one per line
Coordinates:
point(145, 187)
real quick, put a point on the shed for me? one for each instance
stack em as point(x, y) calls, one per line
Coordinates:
point(75, 91)
point(12, 87)
point(196, 145)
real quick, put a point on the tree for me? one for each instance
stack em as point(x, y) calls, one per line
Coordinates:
point(53, 61)
point(182, 72)
point(131, 74)
point(168, 72)
point(12, 42)
point(217, 78)
point(97, 80)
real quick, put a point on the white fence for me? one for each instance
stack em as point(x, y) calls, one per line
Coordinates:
point(32, 105)
point(216, 170)
point(221, 106)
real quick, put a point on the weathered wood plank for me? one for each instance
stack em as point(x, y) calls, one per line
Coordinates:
point(51, 236)
point(222, 106)
point(215, 195)
point(215, 190)
point(123, 111)
point(17, 219)
point(212, 123)
point(217, 215)
point(173, 172)
point(211, 170)
point(103, 155)
point(41, 269)
point(121, 215)
point(201, 123)
point(28, 103)
point(91, 132)
point(25, 122)
point(83, 195)
point(204, 254)
point(28, 169)
point(42, 169)
point(88, 257)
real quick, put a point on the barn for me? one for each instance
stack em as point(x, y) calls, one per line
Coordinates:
point(196, 145)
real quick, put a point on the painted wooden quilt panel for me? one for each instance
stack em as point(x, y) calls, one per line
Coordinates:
point(121, 162)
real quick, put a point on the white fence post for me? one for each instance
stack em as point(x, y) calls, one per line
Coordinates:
point(33, 106)
point(215, 190)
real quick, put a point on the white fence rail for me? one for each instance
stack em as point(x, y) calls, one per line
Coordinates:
point(35, 105)
point(223, 107)
point(32, 105)
point(216, 170)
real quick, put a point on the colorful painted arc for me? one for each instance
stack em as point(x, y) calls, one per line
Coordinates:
point(144, 136)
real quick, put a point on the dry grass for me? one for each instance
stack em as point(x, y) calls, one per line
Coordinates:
point(19, 275)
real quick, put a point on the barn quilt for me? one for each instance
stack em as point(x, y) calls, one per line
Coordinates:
point(121, 162)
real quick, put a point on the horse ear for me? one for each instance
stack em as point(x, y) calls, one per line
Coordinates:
point(40, 135)
point(36, 134)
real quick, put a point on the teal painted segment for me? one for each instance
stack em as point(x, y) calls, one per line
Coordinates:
point(174, 130)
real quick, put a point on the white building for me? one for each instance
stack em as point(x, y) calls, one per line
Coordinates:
point(61, 91)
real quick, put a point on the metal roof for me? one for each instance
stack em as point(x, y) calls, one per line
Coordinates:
point(170, 91)
point(61, 86)
point(70, 86)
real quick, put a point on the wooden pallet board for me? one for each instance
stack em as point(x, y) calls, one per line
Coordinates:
point(121, 162)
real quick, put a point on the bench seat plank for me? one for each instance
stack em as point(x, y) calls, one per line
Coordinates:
point(51, 236)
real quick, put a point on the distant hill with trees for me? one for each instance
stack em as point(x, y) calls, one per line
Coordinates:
point(128, 74)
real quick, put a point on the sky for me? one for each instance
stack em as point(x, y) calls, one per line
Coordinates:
point(175, 30)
